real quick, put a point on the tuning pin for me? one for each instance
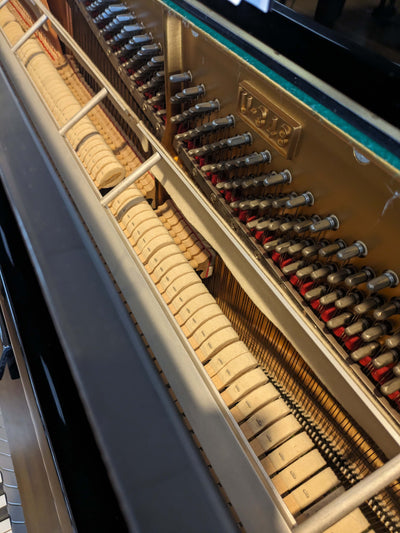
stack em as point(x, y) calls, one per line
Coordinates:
point(118, 22)
point(228, 185)
point(315, 293)
point(252, 181)
point(215, 125)
point(154, 63)
point(288, 225)
point(213, 167)
point(158, 97)
point(283, 247)
point(357, 327)
point(257, 158)
point(357, 278)
point(275, 225)
point(373, 333)
point(323, 272)
point(331, 297)
point(339, 320)
point(370, 303)
point(239, 162)
point(110, 12)
point(138, 42)
point(188, 94)
point(272, 245)
point(108, 7)
point(231, 142)
point(246, 204)
point(387, 279)
point(252, 223)
point(198, 109)
point(328, 223)
point(204, 107)
point(239, 140)
point(201, 151)
point(387, 310)
point(332, 249)
point(385, 359)
point(305, 225)
point(281, 201)
point(306, 198)
point(181, 77)
point(291, 268)
point(235, 204)
point(368, 350)
point(99, 5)
point(390, 387)
point(234, 184)
point(306, 271)
point(297, 247)
point(266, 202)
point(340, 275)
point(311, 251)
point(132, 46)
point(256, 204)
point(263, 223)
point(357, 249)
point(353, 298)
point(277, 179)
point(393, 341)
point(125, 34)
point(143, 54)
point(153, 82)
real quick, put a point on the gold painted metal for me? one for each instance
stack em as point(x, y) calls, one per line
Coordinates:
point(173, 65)
point(364, 197)
point(269, 120)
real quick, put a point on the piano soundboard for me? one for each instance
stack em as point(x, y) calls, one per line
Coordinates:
point(264, 226)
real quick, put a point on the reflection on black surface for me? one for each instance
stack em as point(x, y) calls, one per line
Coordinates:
point(91, 497)
point(336, 56)
point(372, 24)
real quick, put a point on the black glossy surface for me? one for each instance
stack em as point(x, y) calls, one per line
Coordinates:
point(83, 471)
point(367, 78)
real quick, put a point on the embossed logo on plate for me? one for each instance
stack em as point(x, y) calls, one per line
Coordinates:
point(271, 122)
